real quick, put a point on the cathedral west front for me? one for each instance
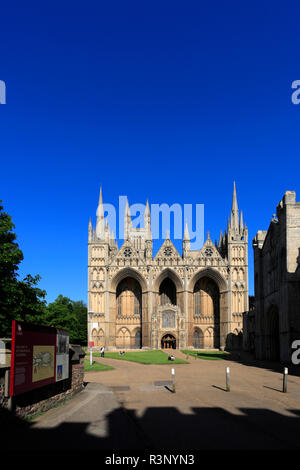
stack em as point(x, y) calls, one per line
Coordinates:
point(168, 300)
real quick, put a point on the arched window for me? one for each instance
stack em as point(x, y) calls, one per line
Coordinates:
point(198, 339)
point(168, 319)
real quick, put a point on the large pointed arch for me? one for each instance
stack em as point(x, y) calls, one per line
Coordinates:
point(128, 272)
point(211, 273)
point(168, 273)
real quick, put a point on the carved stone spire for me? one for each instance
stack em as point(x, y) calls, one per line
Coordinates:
point(234, 211)
point(100, 224)
point(127, 221)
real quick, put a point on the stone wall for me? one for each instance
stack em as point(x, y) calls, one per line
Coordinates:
point(44, 398)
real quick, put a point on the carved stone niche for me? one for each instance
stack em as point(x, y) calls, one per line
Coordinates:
point(168, 319)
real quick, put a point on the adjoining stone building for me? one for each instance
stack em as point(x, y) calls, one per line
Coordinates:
point(275, 321)
point(193, 300)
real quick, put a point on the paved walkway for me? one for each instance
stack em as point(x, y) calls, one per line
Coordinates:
point(124, 409)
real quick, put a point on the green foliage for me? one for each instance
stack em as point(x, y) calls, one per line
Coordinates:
point(23, 300)
point(19, 300)
point(70, 315)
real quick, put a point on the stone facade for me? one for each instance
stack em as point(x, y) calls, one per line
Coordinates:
point(194, 299)
point(277, 282)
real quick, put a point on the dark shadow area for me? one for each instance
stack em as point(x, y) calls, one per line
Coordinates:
point(271, 388)
point(248, 359)
point(160, 428)
point(219, 388)
point(169, 388)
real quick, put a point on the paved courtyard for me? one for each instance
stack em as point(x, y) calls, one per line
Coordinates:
point(201, 414)
point(130, 408)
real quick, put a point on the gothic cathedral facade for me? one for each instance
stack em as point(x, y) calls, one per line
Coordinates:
point(194, 300)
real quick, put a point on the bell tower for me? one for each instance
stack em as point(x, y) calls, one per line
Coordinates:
point(237, 252)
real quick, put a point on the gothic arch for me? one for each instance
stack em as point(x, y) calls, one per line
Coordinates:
point(272, 333)
point(209, 338)
point(172, 275)
point(208, 272)
point(123, 339)
point(198, 338)
point(128, 272)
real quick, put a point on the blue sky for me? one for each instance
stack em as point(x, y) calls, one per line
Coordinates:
point(170, 101)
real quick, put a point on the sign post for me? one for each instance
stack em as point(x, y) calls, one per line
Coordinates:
point(285, 375)
point(39, 356)
point(173, 380)
point(227, 379)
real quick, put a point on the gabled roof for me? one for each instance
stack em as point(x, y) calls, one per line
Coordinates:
point(167, 244)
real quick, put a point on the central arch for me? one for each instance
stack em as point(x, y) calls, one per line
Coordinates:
point(167, 292)
point(168, 341)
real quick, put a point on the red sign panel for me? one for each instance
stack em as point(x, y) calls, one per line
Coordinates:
point(33, 357)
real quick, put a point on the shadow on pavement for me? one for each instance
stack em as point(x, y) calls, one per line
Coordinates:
point(160, 428)
point(247, 359)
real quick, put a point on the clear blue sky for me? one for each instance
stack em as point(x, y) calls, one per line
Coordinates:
point(170, 101)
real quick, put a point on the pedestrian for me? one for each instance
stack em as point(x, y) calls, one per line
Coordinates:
point(102, 351)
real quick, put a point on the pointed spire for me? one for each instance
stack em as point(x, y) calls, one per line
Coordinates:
point(241, 222)
point(147, 210)
point(234, 211)
point(100, 217)
point(90, 230)
point(127, 221)
point(220, 239)
point(100, 197)
point(147, 221)
point(186, 235)
point(100, 212)
point(234, 199)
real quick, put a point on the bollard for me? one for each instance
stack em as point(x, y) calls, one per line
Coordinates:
point(227, 379)
point(91, 356)
point(173, 380)
point(285, 374)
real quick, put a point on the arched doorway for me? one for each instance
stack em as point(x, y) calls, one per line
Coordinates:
point(273, 343)
point(168, 342)
point(137, 339)
point(198, 340)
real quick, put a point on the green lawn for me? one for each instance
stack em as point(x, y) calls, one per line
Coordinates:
point(208, 355)
point(95, 366)
point(143, 357)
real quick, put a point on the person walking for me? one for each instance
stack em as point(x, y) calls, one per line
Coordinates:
point(102, 351)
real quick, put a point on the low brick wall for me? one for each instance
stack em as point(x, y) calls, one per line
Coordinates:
point(44, 398)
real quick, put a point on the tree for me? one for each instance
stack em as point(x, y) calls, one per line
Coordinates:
point(19, 300)
point(70, 315)
point(80, 310)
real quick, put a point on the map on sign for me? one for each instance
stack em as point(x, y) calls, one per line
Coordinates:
point(42, 362)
